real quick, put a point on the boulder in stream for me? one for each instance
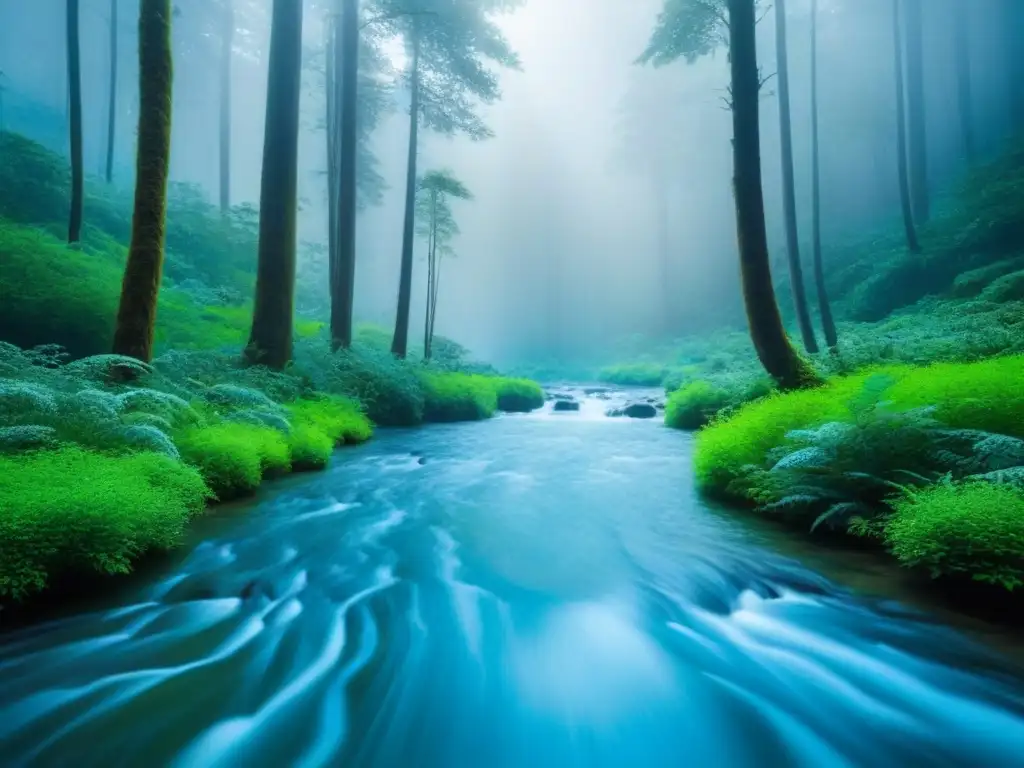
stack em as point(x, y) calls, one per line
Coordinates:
point(640, 411)
point(565, 405)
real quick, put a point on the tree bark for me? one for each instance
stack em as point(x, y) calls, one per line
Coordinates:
point(431, 252)
point(1013, 33)
point(136, 314)
point(664, 256)
point(112, 100)
point(343, 291)
point(331, 74)
point(902, 160)
point(227, 38)
point(774, 350)
point(796, 271)
point(270, 341)
point(75, 122)
point(828, 324)
point(917, 139)
point(400, 342)
point(964, 92)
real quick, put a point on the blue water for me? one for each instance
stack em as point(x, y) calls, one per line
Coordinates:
point(542, 590)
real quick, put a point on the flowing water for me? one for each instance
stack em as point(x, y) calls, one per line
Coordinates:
point(541, 590)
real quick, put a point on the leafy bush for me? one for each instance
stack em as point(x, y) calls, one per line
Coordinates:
point(693, 405)
point(73, 509)
point(975, 529)
point(309, 448)
point(458, 397)
point(339, 419)
point(633, 374)
point(517, 395)
point(234, 457)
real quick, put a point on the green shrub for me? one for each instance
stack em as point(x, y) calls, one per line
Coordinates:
point(234, 457)
point(971, 283)
point(986, 395)
point(458, 397)
point(975, 529)
point(339, 419)
point(517, 395)
point(1007, 288)
point(72, 509)
point(745, 437)
point(633, 374)
point(309, 448)
point(694, 405)
point(390, 389)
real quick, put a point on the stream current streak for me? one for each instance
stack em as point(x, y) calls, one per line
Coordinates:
point(542, 590)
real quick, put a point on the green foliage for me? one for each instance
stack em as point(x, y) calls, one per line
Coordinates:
point(72, 510)
point(695, 404)
point(971, 283)
point(686, 29)
point(975, 529)
point(517, 395)
point(56, 295)
point(309, 448)
point(459, 39)
point(633, 374)
point(458, 397)
point(339, 419)
point(233, 457)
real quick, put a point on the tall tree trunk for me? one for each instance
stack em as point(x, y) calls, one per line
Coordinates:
point(961, 42)
point(433, 296)
point(901, 134)
point(828, 325)
point(1013, 32)
point(773, 348)
point(431, 254)
point(796, 270)
point(227, 41)
point(270, 341)
point(75, 122)
point(136, 315)
point(112, 100)
point(664, 256)
point(343, 291)
point(331, 73)
point(400, 342)
point(916, 130)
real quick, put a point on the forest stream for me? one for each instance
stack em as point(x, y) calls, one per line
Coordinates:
point(536, 590)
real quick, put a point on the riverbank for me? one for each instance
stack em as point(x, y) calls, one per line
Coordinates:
point(96, 473)
point(926, 463)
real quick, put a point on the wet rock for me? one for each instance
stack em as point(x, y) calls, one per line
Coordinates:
point(613, 412)
point(566, 405)
point(640, 411)
point(659, 406)
point(597, 391)
point(561, 396)
point(421, 460)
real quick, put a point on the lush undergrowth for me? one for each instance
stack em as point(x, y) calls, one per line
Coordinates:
point(928, 459)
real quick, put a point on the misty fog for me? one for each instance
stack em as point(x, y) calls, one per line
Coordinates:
point(596, 161)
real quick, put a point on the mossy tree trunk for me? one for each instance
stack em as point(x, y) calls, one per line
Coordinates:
point(136, 314)
point(796, 270)
point(112, 100)
point(828, 324)
point(400, 341)
point(964, 91)
point(270, 341)
point(906, 206)
point(773, 347)
point(917, 137)
point(343, 283)
point(75, 122)
point(227, 41)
